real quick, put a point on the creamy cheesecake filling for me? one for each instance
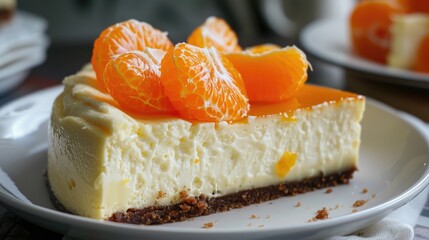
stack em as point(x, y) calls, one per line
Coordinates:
point(407, 31)
point(103, 161)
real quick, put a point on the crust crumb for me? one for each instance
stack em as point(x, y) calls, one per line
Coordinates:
point(253, 216)
point(373, 195)
point(183, 194)
point(321, 214)
point(328, 190)
point(208, 225)
point(354, 210)
point(298, 204)
point(359, 203)
point(365, 190)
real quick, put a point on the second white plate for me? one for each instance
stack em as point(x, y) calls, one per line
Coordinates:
point(328, 40)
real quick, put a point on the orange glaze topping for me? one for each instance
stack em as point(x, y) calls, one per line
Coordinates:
point(308, 96)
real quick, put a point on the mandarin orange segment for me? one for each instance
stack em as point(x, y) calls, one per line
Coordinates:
point(124, 37)
point(133, 80)
point(215, 32)
point(262, 48)
point(202, 84)
point(415, 6)
point(421, 62)
point(369, 25)
point(271, 76)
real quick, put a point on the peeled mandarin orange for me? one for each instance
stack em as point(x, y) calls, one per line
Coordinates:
point(421, 62)
point(202, 84)
point(215, 32)
point(271, 76)
point(133, 80)
point(370, 22)
point(124, 37)
point(262, 48)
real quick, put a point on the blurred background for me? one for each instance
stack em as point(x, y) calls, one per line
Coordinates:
point(73, 25)
point(64, 32)
point(58, 36)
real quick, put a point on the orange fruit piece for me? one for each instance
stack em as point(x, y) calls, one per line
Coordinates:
point(271, 76)
point(421, 63)
point(369, 27)
point(262, 48)
point(133, 80)
point(215, 32)
point(202, 84)
point(123, 37)
point(415, 6)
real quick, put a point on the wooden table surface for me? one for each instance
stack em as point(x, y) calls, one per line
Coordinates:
point(66, 60)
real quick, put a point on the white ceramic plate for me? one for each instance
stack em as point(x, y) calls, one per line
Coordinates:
point(394, 168)
point(23, 45)
point(22, 30)
point(18, 67)
point(328, 40)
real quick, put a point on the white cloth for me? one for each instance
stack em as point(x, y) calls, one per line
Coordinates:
point(398, 225)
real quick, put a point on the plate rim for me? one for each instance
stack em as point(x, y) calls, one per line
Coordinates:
point(79, 221)
point(396, 76)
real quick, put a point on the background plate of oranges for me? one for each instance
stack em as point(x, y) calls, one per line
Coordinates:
point(329, 40)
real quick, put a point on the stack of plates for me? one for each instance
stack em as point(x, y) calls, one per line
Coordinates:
point(23, 45)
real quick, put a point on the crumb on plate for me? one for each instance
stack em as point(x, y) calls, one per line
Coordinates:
point(208, 225)
point(359, 203)
point(321, 214)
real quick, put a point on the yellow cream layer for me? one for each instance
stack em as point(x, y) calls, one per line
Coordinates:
point(102, 160)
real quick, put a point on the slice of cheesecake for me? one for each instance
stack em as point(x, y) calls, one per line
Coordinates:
point(407, 31)
point(148, 169)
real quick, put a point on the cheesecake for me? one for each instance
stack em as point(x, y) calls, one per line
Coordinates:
point(107, 164)
point(407, 32)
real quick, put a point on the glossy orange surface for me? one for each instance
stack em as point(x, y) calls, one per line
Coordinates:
point(308, 96)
